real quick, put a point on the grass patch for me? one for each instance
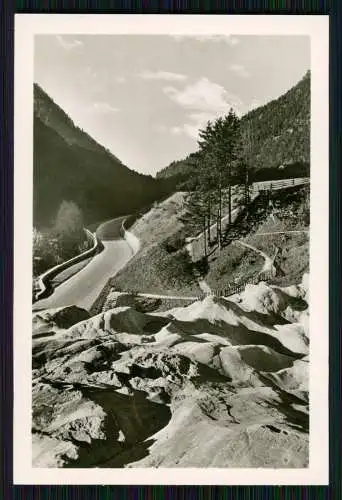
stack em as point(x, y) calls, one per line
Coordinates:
point(292, 261)
point(233, 264)
point(161, 222)
point(291, 252)
point(155, 270)
point(292, 206)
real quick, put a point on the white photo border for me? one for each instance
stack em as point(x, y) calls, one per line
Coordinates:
point(317, 28)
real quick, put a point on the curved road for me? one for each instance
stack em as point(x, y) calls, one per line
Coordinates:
point(83, 288)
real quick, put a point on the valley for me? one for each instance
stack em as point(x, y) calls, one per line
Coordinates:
point(184, 340)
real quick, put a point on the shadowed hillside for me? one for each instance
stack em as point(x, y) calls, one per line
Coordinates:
point(70, 165)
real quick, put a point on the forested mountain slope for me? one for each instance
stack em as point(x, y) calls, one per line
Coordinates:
point(70, 165)
point(280, 130)
point(279, 135)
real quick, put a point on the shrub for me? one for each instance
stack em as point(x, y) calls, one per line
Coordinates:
point(174, 242)
point(64, 241)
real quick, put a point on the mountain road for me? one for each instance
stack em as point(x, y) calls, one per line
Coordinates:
point(83, 288)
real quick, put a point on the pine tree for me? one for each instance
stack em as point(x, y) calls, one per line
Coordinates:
point(246, 166)
point(219, 143)
point(213, 169)
point(195, 216)
point(230, 151)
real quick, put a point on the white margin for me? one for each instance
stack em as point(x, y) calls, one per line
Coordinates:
point(317, 27)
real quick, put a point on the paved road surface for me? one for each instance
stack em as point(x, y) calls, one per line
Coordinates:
point(84, 287)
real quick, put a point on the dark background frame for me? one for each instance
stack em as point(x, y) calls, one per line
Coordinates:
point(7, 11)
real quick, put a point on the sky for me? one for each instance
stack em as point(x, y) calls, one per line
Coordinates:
point(144, 97)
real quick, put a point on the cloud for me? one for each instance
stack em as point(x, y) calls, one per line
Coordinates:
point(89, 72)
point(196, 121)
point(120, 79)
point(203, 95)
point(162, 75)
point(103, 107)
point(229, 39)
point(239, 70)
point(188, 129)
point(68, 45)
point(161, 128)
point(204, 100)
point(177, 130)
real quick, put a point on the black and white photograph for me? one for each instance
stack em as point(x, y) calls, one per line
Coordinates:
point(174, 305)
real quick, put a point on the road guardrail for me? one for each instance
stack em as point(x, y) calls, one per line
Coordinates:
point(44, 280)
point(132, 240)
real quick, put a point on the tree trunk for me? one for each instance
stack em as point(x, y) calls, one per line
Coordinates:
point(230, 204)
point(209, 221)
point(219, 225)
point(208, 231)
point(246, 191)
point(205, 237)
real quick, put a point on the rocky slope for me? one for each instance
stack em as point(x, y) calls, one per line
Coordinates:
point(218, 383)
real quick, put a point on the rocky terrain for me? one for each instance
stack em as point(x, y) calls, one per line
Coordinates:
point(217, 383)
